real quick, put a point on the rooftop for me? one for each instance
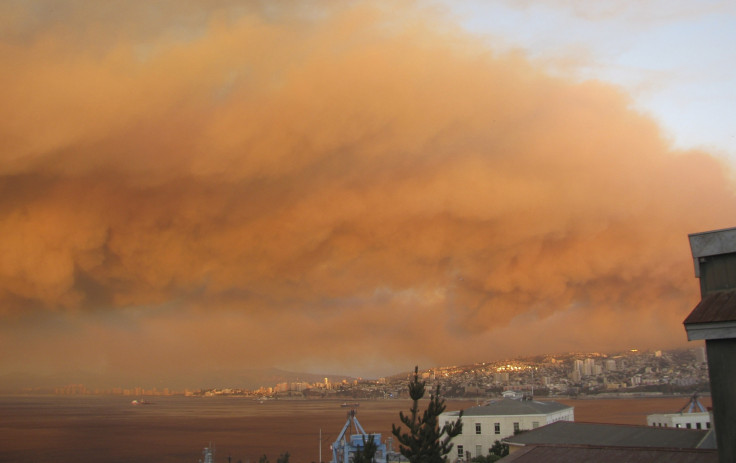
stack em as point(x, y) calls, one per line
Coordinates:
point(611, 435)
point(714, 317)
point(714, 307)
point(572, 454)
point(514, 407)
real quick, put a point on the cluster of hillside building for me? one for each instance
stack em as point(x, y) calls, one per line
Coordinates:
point(654, 372)
point(676, 371)
point(681, 371)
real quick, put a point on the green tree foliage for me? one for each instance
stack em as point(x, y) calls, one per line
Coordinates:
point(366, 453)
point(490, 458)
point(495, 453)
point(283, 458)
point(263, 459)
point(499, 449)
point(425, 441)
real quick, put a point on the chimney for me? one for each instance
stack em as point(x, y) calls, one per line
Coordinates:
point(714, 321)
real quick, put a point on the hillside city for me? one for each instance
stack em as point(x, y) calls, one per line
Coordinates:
point(682, 371)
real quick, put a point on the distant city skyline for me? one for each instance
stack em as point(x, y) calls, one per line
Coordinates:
point(554, 371)
point(190, 190)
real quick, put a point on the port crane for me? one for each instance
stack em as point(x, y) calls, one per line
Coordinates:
point(347, 443)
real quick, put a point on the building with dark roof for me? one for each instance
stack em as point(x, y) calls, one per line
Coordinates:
point(714, 321)
point(577, 453)
point(497, 419)
point(610, 435)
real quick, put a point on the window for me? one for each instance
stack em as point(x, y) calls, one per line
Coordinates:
point(497, 428)
point(460, 452)
point(535, 424)
point(698, 425)
point(478, 450)
point(516, 427)
point(688, 425)
point(707, 425)
point(477, 428)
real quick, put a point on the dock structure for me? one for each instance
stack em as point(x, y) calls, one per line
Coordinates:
point(352, 438)
point(208, 455)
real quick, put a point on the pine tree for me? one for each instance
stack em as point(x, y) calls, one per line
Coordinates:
point(366, 453)
point(425, 441)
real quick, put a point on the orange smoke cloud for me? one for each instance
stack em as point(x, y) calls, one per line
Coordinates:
point(360, 185)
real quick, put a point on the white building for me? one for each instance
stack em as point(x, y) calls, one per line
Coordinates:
point(695, 420)
point(578, 366)
point(695, 417)
point(498, 419)
point(589, 367)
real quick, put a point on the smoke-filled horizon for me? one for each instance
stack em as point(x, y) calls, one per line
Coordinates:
point(188, 189)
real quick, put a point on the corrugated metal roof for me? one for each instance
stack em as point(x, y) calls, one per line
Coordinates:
point(506, 406)
point(573, 454)
point(616, 435)
point(714, 307)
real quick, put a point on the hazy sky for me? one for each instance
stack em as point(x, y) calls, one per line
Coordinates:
point(193, 188)
point(672, 56)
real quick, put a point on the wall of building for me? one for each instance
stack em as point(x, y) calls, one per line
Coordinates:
point(696, 420)
point(721, 360)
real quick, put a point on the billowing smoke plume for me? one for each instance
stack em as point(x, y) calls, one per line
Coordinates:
point(367, 186)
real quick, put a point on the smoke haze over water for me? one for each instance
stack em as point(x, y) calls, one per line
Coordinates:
point(359, 189)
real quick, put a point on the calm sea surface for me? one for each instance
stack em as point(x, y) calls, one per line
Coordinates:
point(83, 429)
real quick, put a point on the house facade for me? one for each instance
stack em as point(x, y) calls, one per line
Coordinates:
point(498, 419)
